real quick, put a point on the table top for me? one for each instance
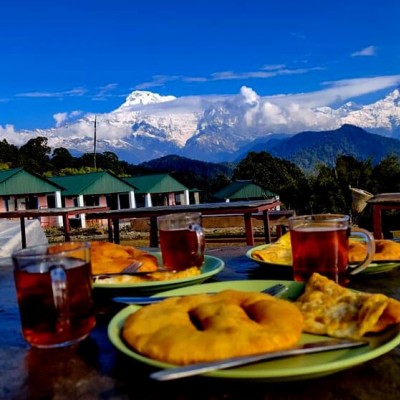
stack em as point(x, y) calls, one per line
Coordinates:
point(385, 198)
point(37, 212)
point(237, 207)
point(95, 369)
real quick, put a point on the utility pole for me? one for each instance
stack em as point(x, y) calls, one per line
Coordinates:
point(94, 143)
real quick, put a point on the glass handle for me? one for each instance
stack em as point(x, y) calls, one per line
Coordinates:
point(367, 236)
point(60, 298)
point(200, 238)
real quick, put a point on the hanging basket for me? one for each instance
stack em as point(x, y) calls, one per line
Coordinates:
point(359, 199)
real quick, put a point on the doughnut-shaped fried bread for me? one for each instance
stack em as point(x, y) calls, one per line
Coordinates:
point(205, 327)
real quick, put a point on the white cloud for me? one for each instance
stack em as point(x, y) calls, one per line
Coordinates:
point(104, 91)
point(63, 117)
point(270, 67)
point(365, 52)
point(60, 118)
point(101, 93)
point(258, 115)
point(267, 115)
point(9, 133)
point(249, 95)
point(340, 91)
point(67, 93)
point(157, 81)
point(284, 113)
point(298, 112)
point(265, 72)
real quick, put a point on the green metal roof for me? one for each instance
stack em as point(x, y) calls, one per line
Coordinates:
point(155, 183)
point(18, 181)
point(93, 183)
point(243, 190)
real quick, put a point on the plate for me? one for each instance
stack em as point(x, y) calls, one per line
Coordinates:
point(212, 266)
point(377, 267)
point(381, 267)
point(286, 369)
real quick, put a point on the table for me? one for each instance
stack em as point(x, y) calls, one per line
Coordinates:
point(245, 208)
point(96, 370)
point(379, 203)
point(64, 212)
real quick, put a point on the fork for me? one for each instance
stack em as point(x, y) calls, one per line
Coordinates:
point(275, 290)
point(131, 269)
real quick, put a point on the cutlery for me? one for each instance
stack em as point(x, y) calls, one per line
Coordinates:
point(275, 290)
point(131, 269)
point(308, 348)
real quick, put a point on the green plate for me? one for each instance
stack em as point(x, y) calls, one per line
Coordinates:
point(287, 369)
point(212, 265)
point(379, 267)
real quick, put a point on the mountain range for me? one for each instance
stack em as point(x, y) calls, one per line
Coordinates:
point(305, 149)
point(224, 128)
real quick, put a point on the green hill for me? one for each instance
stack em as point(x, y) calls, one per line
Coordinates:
point(178, 164)
point(307, 149)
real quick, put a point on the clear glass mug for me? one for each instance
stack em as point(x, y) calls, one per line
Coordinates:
point(182, 240)
point(320, 243)
point(54, 291)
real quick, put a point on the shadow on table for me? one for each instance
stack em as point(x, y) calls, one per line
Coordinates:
point(270, 271)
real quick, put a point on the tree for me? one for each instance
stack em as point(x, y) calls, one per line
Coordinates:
point(279, 176)
point(385, 177)
point(86, 160)
point(34, 155)
point(8, 153)
point(351, 172)
point(62, 159)
point(109, 161)
point(327, 196)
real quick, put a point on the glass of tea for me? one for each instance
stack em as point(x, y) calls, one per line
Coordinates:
point(54, 291)
point(182, 240)
point(320, 243)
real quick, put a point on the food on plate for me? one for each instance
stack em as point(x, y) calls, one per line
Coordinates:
point(279, 252)
point(206, 327)
point(330, 309)
point(274, 254)
point(284, 240)
point(151, 277)
point(110, 257)
point(385, 250)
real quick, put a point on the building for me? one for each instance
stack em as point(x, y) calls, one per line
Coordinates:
point(24, 190)
point(242, 190)
point(158, 190)
point(95, 189)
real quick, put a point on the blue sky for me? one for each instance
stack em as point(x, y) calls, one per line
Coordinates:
point(86, 56)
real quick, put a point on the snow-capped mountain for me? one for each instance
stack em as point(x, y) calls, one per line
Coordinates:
point(140, 98)
point(211, 128)
point(382, 117)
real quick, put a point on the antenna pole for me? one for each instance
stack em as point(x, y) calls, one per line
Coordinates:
point(94, 143)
